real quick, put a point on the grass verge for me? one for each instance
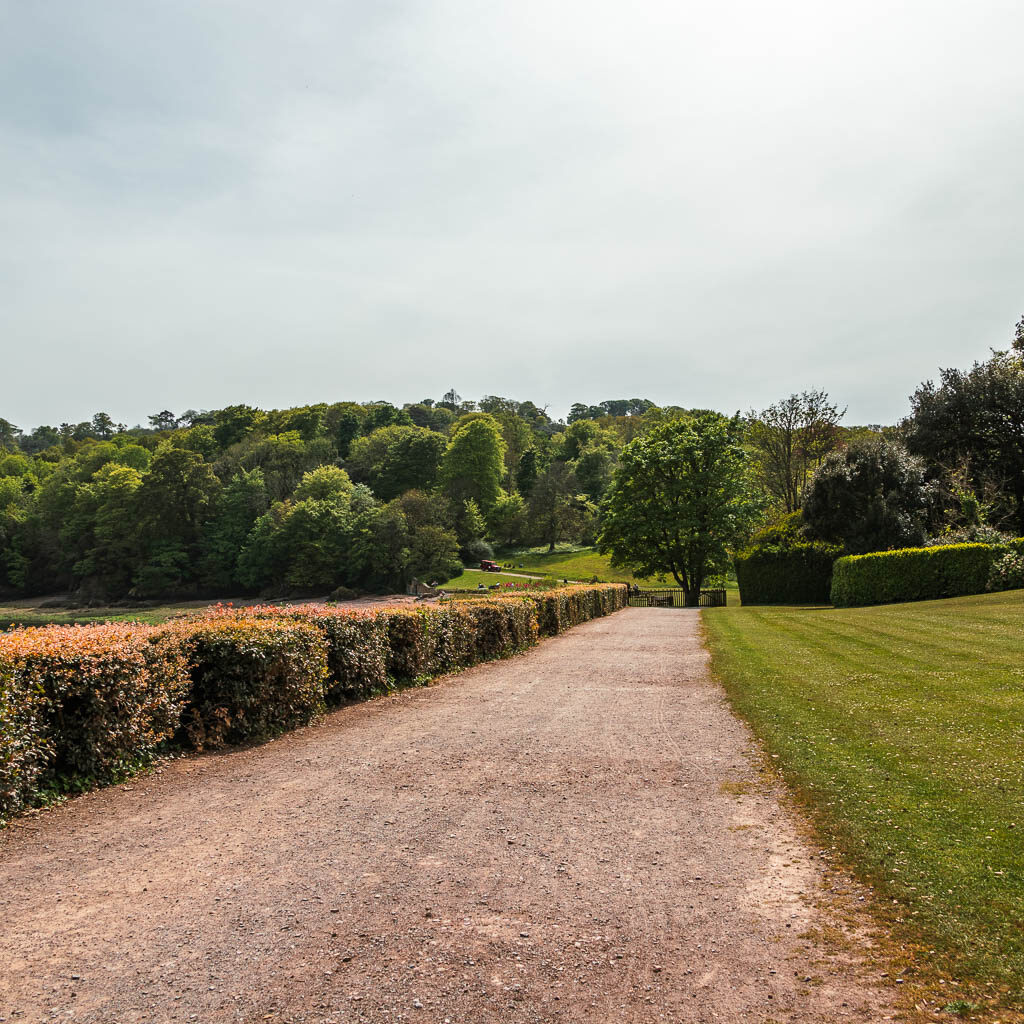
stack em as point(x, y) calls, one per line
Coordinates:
point(901, 727)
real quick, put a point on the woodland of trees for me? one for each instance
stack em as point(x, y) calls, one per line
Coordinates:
point(366, 495)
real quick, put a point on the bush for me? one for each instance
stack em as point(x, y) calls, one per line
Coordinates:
point(25, 746)
point(913, 574)
point(502, 627)
point(1007, 573)
point(110, 693)
point(251, 678)
point(476, 551)
point(798, 574)
point(357, 644)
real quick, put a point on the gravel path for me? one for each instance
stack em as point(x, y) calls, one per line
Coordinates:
point(576, 834)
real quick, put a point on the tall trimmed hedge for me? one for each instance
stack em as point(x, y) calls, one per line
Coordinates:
point(795, 574)
point(86, 701)
point(915, 574)
point(250, 679)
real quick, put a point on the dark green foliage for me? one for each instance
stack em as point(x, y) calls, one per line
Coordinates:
point(797, 574)
point(871, 496)
point(780, 566)
point(975, 418)
point(393, 460)
point(913, 574)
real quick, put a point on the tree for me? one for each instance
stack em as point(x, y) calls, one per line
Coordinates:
point(242, 501)
point(396, 459)
point(235, 422)
point(434, 554)
point(9, 435)
point(174, 500)
point(789, 440)
point(872, 496)
point(526, 474)
point(160, 421)
point(506, 521)
point(681, 498)
point(974, 421)
point(104, 428)
point(557, 509)
point(473, 463)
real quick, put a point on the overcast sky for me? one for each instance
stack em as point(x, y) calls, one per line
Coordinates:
point(709, 204)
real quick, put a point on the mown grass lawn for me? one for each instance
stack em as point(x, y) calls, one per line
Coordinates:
point(902, 727)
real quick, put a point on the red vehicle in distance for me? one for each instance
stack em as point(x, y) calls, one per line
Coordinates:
point(486, 565)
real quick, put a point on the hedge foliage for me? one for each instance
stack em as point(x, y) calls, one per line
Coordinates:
point(916, 574)
point(797, 574)
point(25, 747)
point(250, 678)
point(88, 701)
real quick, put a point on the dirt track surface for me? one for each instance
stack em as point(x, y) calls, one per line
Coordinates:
point(558, 837)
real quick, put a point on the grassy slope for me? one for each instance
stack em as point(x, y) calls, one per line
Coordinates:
point(471, 577)
point(902, 727)
point(576, 564)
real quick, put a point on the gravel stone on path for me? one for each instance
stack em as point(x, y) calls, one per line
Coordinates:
point(579, 833)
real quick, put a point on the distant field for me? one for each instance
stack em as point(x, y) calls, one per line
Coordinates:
point(574, 564)
point(472, 577)
point(902, 728)
point(24, 613)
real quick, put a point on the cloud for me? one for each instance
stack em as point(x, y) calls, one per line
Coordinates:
point(707, 205)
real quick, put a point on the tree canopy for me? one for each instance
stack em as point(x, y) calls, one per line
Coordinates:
point(680, 500)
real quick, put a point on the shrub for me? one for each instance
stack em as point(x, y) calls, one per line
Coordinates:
point(476, 551)
point(502, 626)
point(25, 746)
point(251, 677)
point(913, 574)
point(797, 574)
point(357, 644)
point(111, 692)
point(409, 643)
point(1007, 573)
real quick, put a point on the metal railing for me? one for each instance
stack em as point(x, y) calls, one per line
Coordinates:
point(674, 597)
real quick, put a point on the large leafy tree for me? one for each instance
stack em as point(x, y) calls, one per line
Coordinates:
point(680, 500)
point(871, 496)
point(557, 511)
point(393, 460)
point(790, 439)
point(474, 463)
point(973, 421)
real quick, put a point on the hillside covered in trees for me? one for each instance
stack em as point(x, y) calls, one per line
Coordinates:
point(364, 496)
point(243, 500)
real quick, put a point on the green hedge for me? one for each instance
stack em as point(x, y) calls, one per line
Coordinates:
point(796, 574)
point(914, 574)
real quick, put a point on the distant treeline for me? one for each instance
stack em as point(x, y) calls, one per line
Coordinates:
point(347, 494)
point(367, 495)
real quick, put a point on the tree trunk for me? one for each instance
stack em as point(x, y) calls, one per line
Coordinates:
point(691, 598)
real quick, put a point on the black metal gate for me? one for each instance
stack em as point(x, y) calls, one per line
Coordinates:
point(673, 597)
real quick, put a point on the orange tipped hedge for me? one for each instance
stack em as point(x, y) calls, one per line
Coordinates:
point(84, 703)
point(250, 679)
